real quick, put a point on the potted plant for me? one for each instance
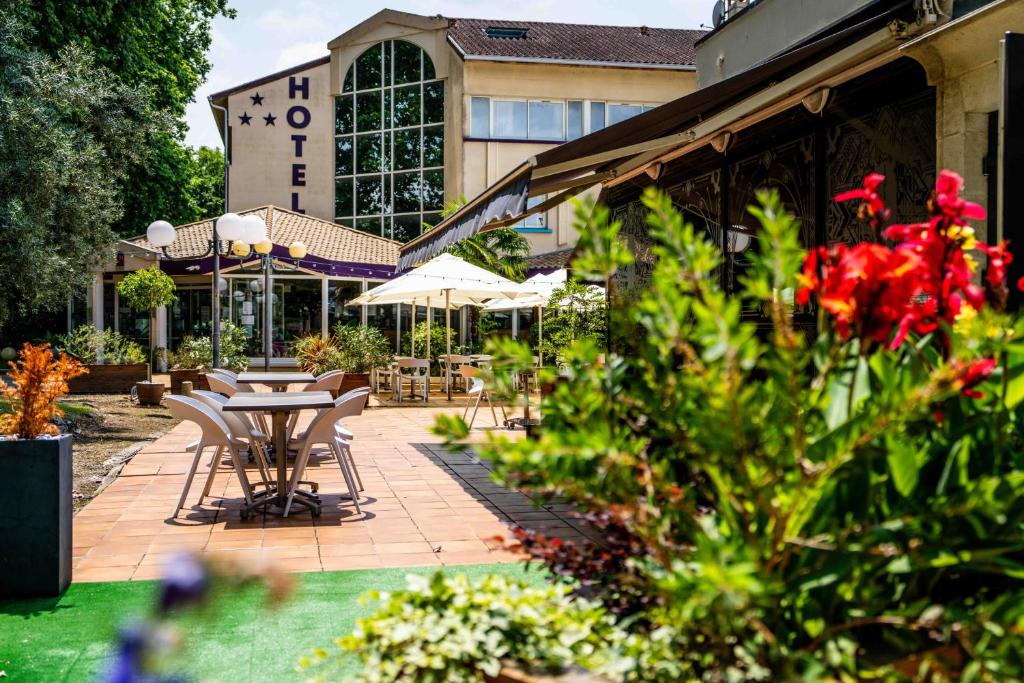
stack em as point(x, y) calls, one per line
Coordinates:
point(362, 349)
point(35, 466)
point(145, 290)
point(195, 356)
point(317, 355)
point(115, 362)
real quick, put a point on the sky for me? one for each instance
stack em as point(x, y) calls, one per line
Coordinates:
point(270, 35)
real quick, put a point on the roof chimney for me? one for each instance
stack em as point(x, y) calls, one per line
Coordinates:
point(644, 31)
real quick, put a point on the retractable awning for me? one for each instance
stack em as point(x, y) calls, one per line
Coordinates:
point(859, 43)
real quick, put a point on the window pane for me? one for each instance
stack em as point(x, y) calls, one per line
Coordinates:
point(480, 117)
point(343, 155)
point(368, 153)
point(406, 228)
point(509, 119)
point(621, 112)
point(371, 225)
point(368, 68)
point(537, 220)
point(386, 152)
point(407, 62)
point(339, 293)
point(387, 63)
point(407, 192)
point(350, 80)
point(433, 190)
point(428, 68)
point(433, 146)
point(648, 107)
point(387, 205)
point(433, 102)
point(368, 196)
point(596, 116)
point(432, 218)
point(343, 197)
point(368, 110)
point(343, 114)
point(575, 119)
point(407, 106)
point(407, 149)
point(546, 121)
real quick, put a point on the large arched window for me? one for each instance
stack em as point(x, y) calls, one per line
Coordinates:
point(389, 142)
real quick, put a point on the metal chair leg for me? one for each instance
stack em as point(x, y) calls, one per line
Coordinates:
point(214, 464)
point(188, 480)
point(337, 450)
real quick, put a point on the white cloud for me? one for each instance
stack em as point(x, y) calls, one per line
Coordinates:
point(299, 53)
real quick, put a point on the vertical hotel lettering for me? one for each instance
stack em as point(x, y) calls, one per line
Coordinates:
point(298, 118)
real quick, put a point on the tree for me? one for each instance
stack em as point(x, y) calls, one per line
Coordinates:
point(206, 181)
point(144, 290)
point(575, 311)
point(503, 251)
point(70, 134)
point(157, 45)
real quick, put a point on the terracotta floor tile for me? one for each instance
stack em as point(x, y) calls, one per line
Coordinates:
point(410, 560)
point(402, 548)
point(342, 562)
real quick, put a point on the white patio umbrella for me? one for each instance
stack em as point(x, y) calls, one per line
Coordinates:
point(544, 285)
point(459, 282)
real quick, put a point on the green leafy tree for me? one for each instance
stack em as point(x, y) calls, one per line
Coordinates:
point(70, 135)
point(206, 181)
point(503, 251)
point(575, 311)
point(144, 290)
point(159, 47)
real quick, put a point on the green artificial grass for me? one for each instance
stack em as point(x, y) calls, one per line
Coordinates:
point(238, 638)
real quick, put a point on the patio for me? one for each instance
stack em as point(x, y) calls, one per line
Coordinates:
point(422, 505)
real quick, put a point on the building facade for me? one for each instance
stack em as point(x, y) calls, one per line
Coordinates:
point(409, 113)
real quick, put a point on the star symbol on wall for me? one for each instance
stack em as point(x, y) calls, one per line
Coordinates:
point(270, 118)
point(245, 118)
point(257, 99)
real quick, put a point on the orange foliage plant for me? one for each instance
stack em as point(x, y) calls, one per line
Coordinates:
point(38, 380)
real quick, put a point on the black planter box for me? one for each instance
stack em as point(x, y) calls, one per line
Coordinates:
point(35, 517)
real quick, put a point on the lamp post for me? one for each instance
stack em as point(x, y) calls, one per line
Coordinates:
point(256, 242)
point(162, 234)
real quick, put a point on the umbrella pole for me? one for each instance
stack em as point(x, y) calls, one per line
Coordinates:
point(448, 342)
point(412, 331)
point(540, 333)
point(429, 325)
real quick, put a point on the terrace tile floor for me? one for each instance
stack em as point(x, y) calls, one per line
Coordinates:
point(422, 506)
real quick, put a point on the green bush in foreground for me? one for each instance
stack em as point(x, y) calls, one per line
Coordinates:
point(450, 630)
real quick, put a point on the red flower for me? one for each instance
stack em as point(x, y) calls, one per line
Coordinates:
point(808, 279)
point(871, 202)
point(998, 259)
point(949, 202)
point(869, 290)
point(972, 374)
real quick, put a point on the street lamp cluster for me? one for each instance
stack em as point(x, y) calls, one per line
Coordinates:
point(245, 235)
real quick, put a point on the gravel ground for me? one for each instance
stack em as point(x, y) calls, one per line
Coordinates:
point(105, 427)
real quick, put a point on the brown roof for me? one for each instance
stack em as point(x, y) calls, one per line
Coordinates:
point(553, 260)
point(577, 42)
point(322, 238)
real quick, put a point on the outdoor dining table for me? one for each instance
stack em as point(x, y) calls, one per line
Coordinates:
point(277, 381)
point(280, 404)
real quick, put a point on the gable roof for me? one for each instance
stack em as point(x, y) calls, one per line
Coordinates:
point(323, 239)
point(579, 43)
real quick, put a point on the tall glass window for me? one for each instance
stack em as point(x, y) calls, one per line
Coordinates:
point(389, 142)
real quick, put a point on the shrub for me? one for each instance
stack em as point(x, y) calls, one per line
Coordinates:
point(448, 629)
point(108, 347)
point(419, 336)
point(575, 311)
point(362, 348)
point(845, 505)
point(317, 355)
point(197, 352)
point(38, 379)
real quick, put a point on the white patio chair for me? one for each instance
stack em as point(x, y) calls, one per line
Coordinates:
point(215, 433)
point(241, 428)
point(222, 384)
point(224, 371)
point(480, 391)
point(324, 430)
point(456, 361)
point(328, 381)
point(415, 370)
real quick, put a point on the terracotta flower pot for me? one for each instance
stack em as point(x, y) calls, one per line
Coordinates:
point(149, 393)
point(354, 380)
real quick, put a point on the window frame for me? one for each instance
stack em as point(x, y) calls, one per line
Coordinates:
point(470, 135)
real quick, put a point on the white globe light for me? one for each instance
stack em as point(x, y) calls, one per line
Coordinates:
point(297, 250)
point(259, 298)
point(222, 284)
point(256, 285)
point(230, 227)
point(239, 296)
point(8, 353)
point(255, 229)
point(160, 234)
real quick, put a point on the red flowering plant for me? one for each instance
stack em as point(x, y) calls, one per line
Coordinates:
point(837, 504)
